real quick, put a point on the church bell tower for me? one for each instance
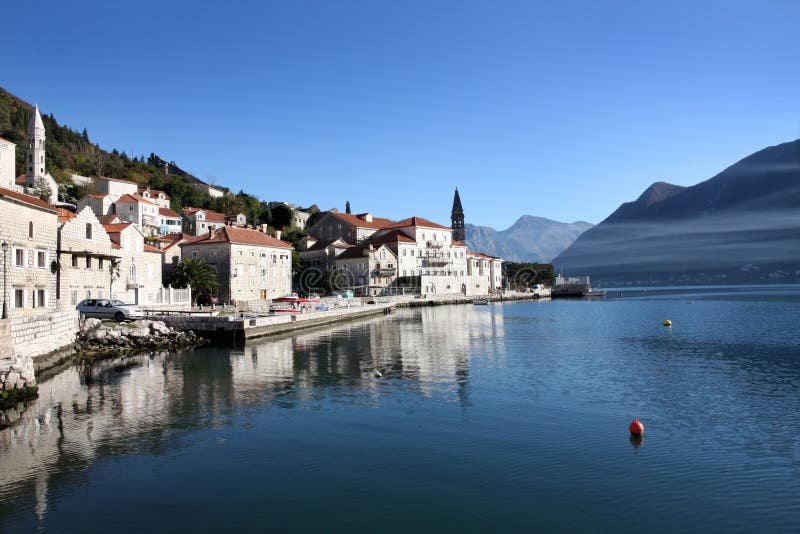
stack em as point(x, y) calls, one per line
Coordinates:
point(34, 163)
point(457, 219)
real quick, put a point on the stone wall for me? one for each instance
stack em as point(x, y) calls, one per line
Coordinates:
point(16, 373)
point(31, 233)
point(42, 334)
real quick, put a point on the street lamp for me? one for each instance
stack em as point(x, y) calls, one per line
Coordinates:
point(4, 246)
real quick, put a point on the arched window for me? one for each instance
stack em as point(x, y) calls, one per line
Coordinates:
point(30, 230)
point(132, 271)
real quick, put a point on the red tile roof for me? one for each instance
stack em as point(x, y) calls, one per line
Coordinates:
point(148, 248)
point(107, 219)
point(26, 199)
point(395, 236)
point(481, 255)
point(131, 198)
point(153, 192)
point(98, 195)
point(459, 243)
point(116, 228)
point(170, 240)
point(166, 212)
point(358, 251)
point(355, 220)
point(64, 215)
point(243, 236)
point(211, 216)
point(417, 221)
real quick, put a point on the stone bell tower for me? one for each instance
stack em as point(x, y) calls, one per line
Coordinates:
point(457, 219)
point(34, 163)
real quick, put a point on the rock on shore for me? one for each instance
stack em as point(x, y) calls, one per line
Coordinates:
point(98, 336)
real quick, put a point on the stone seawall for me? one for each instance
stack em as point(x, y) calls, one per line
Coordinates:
point(42, 334)
point(237, 329)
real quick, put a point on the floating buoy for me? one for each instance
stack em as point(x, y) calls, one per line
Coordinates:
point(636, 427)
point(667, 322)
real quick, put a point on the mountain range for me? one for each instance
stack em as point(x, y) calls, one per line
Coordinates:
point(529, 239)
point(742, 225)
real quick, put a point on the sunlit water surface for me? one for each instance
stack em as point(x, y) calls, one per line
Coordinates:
point(510, 416)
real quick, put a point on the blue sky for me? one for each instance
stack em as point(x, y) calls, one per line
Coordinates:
point(559, 109)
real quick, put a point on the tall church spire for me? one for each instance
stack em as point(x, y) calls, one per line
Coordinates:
point(457, 219)
point(34, 163)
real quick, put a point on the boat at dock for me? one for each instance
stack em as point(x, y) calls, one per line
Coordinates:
point(481, 302)
point(574, 286)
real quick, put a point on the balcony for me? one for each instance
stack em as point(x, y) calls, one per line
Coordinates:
point(131, 282)
point(435, 262)
point(435, 244)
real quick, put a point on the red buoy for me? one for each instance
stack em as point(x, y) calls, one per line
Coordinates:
point(636, 427)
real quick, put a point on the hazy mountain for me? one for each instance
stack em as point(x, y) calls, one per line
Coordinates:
point(533, 239)
point(741, 225)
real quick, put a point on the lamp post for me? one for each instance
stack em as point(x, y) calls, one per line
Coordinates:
point(4, 246)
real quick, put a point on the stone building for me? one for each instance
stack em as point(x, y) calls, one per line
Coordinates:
point(352, 229)
point(321, 253)
point(100, 203)
point(140, 265)
point(368, 268)
point(29, 234)
point(251, 265)
point(170, 247)
point(85, 254)
point(197, 221)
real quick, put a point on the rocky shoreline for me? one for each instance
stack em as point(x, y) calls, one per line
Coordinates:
point(98, 338)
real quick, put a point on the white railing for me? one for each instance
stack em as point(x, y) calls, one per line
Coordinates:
point(171, 296)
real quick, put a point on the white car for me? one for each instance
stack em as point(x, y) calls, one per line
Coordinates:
point(109, 309)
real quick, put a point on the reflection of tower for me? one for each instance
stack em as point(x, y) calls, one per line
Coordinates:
point(457, 219)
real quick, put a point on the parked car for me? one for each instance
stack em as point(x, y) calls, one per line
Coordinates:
point(207, 300)
point(109, 309)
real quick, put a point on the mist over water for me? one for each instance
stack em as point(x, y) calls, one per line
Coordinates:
point(509, 416)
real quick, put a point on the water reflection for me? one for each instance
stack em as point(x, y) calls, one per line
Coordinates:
point(151, 403)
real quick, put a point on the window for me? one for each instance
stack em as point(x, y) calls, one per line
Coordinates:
point(73, 297)
point(19, 257)
point(274, 259)
point(130, 207)
point(30, 230)
point(41, 259)
point(132, 272)
point(88, 262)
point(74, 261)
point(40, 298)
point(19, 298)
point(88, 230)
point(412, 251)
point(100, 263)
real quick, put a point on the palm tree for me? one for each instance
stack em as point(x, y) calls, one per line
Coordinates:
point(113, 273)
point(197, 274)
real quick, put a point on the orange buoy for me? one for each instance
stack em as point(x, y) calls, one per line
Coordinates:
point(636, 427)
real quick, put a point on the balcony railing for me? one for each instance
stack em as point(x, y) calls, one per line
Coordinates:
point(435, 244)
point(435, 262)
point(131, 282)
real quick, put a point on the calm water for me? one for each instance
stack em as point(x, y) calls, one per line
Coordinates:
point(509, 417)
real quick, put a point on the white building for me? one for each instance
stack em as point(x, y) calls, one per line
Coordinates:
point(7, 164)
point(197, 221)
point(115, 188)
point(157, 197)
point(169, 222)
point(139, 211)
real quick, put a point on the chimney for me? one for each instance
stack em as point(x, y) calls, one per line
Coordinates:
point(277, 234)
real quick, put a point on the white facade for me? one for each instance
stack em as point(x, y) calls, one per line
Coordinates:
point(115, 188)
point(99, 203)
point(7, 164)
point(159, 198)
point(34, 160)
point(139, 211)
